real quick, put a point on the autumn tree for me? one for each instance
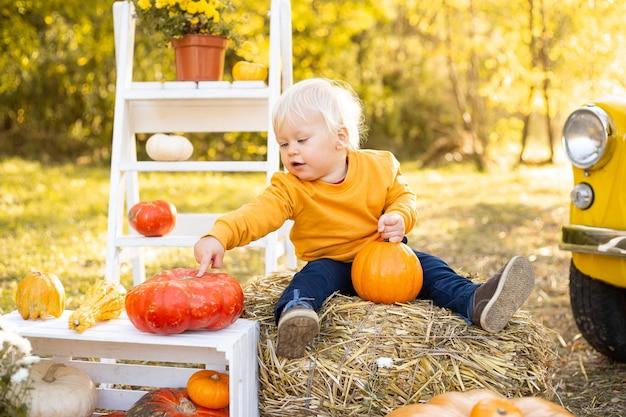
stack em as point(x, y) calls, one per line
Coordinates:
point(441, 80)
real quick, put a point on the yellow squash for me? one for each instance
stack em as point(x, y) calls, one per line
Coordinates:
point(40, 295)
point(103, 301)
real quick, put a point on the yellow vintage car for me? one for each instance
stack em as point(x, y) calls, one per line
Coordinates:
point(594, 140)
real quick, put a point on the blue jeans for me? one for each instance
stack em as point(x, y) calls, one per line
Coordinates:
point(320, 278)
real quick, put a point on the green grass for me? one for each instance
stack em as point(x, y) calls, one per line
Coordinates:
point(54, 219)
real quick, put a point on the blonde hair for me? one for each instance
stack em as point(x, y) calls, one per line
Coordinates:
point(336, 101)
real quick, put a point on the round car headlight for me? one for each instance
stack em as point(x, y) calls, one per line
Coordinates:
point(586, 137)
point(582, 196)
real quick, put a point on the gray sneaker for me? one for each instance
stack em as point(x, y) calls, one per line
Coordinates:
point(296, 328)
point(500, 297)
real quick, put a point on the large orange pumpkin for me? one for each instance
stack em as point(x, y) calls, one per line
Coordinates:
point(466, 404)
point(176, 300)
point(387, 272)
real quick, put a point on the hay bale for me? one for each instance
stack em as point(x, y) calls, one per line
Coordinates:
point(372, 358)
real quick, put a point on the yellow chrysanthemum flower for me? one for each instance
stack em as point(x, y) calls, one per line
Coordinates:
point(175, 18)
point(144, 4)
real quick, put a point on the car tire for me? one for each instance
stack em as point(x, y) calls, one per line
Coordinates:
point(599, 310)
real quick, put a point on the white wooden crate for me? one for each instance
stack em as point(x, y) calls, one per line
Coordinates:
point(121, 360)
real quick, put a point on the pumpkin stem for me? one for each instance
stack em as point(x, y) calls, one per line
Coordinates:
point(186, 407)
point(50, 373)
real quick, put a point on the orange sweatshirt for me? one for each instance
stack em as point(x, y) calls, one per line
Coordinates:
point(330, 220)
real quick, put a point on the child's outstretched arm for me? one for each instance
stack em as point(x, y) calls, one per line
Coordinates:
point(391, 227)
point(209, 252)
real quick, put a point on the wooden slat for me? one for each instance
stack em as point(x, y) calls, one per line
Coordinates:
point(138, 374)
point(117, 399)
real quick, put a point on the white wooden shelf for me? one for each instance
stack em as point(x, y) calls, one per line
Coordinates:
point(195, 166)
point(168, 241)
point(161, 114)
point(120, 359)
point(220, 106)
point(198, 90)
point(189, 227)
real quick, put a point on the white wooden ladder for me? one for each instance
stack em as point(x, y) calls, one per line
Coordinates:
point(151, 107)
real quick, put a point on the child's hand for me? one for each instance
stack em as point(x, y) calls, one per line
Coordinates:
point(391, 227)
point(209, 252)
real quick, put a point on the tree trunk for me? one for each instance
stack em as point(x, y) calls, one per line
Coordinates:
point(469, 104)
point(545, 67)
point(539, 59)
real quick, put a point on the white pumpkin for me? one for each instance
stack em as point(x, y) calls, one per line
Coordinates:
point(162, 147)
point(59, 390)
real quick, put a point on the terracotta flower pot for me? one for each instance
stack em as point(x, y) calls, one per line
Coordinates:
point(199, 57)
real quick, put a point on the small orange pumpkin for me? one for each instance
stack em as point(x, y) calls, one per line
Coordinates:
point(40, 295)
point(209, 389)
point(461, 404)
point(387, 272)
point(496, 407)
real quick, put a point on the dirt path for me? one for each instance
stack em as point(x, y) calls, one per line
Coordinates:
point(588, 384)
